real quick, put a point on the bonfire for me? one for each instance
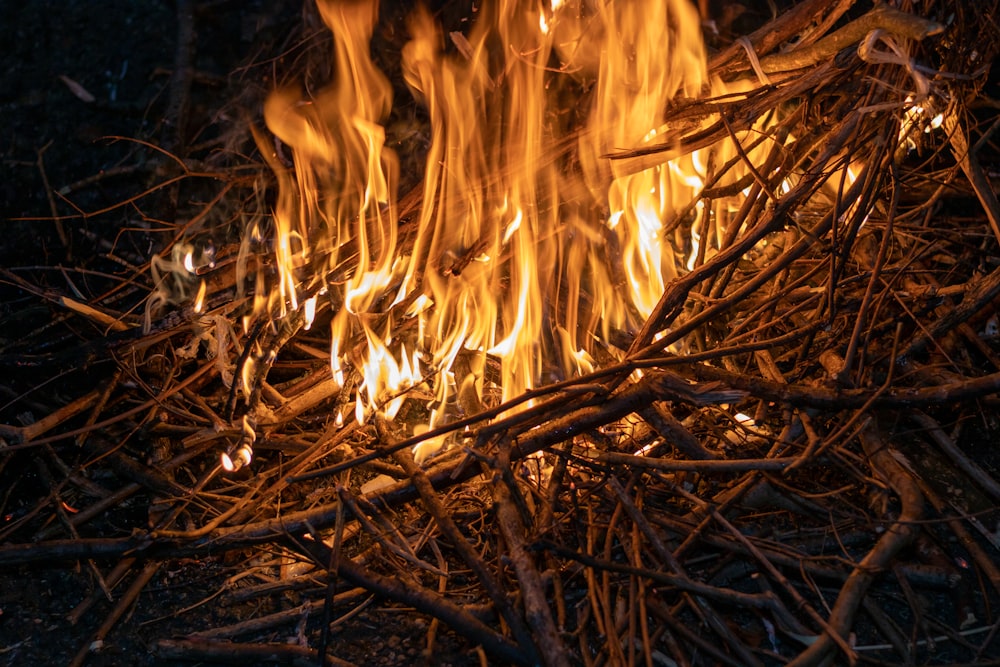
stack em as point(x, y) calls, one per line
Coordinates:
point(565, 333)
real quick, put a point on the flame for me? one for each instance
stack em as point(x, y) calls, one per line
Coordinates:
point(511, 257)
point(652, 53)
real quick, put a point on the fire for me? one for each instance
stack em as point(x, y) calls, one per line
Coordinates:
point(531, 246)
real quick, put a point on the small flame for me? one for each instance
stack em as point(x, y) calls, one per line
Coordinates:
point(309, 311)
point(239, 459)
point(199, 300)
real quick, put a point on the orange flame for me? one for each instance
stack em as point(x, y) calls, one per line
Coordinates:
point(524, 223)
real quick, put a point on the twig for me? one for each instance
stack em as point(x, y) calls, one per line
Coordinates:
point(458, 541)
point(882, 17)
point(825, 398)
point(673, 299)
point(875, 279)
point(60, 228)
point(34, 441)
point(277, 619)
point(985, 561)
point(786, 25)
point(677, 465)
point(21, 434)
point(671, 430)
point(243, 654)
point(979, 292)
point(973, 171)
point(537, 612)
point(963, 462)
point(423, 600)
point(126, 601)
point(898, 535)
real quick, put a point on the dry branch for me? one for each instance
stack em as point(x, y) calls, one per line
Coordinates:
point(423, 600)
point(898, 535)
point(242, 654)
point(883, 17)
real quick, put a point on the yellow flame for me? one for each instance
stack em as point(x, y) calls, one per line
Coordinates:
point(199, 299)
point(510, 255)
point(309, 312)
point(239, 459)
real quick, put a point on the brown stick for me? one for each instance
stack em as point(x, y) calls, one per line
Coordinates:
point(60, 227)
point(672, 301)
point(825, 398)
point(883, 17)
point(963, 462)
point(244, 654)
point(20, 434)
point(899, 534)
point(447, 525)
point(671, 430)
point(985, 561)
point(678, 465)
point(537, 612)
point(978, 294)
point(788, 23)
point(421, 599)
point(973, 170)
point(270, 621)
point(123, 605)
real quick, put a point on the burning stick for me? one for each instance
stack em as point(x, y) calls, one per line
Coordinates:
point(882, 17)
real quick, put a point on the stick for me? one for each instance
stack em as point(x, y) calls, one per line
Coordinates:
point(123, 605)
point(963, 462)
point(23, 434)
point(60, 228)
point(244, 654)
point(537, 612)
point(882, 17)
point(421, 599)
point(785, 26)
point(973, 171)
point(899, 534)
point(458, 541)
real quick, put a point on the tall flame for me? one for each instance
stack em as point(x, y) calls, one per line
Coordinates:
point(525, 229)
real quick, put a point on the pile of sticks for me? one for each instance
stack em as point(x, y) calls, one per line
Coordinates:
point(802, 485)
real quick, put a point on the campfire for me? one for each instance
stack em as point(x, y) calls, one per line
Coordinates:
point(553, 333)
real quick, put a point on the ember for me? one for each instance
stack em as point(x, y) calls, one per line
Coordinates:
point(562, 332)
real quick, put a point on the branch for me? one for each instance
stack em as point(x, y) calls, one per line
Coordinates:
point(882, 17)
